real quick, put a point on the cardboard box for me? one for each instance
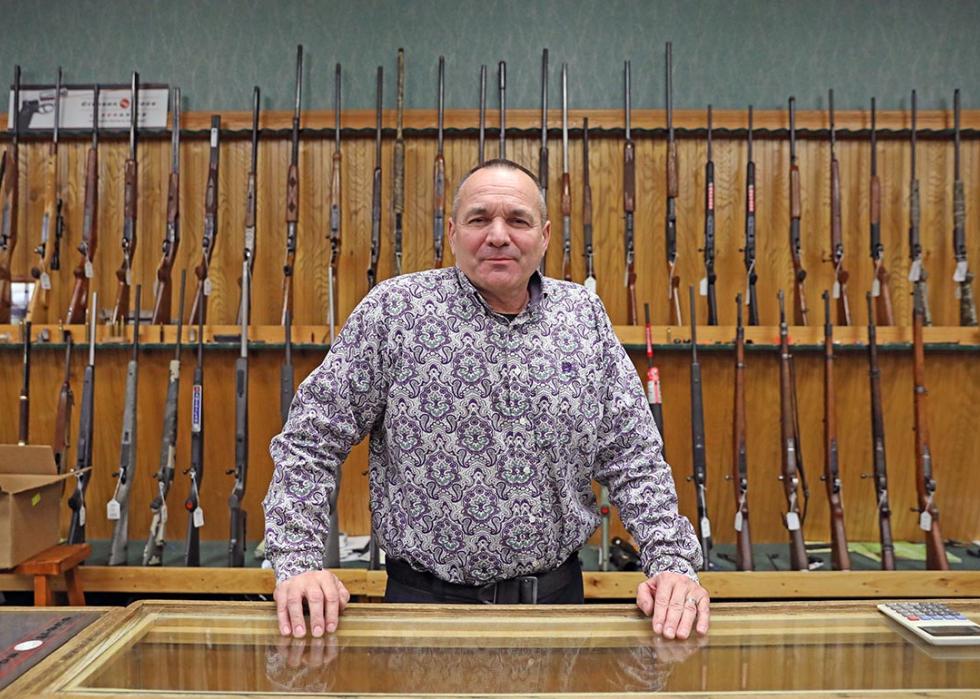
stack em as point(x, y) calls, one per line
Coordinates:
point(30, 502)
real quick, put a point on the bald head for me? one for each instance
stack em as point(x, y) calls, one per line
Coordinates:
point(503, 164)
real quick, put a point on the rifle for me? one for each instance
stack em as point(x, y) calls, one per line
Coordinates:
point(335, 203)
point(117, 509)
point(699, 457)
point(9, 194)
point(439, 177)
point(590, 281)
point(251, 196)
point(83, 454)
point(792, 472)
point(62, 423)
point(566, 183)
point(238, 516)
point(917, 270)
point(50, 217)
point(153, 551)
point(831, 475)
point(24, 428)
point(90, 228)
point(195, 513)
point(795, 213)
point(925, 484)
point(629, 196)
point(751, 297)
point(543, 175)
point(670, 237)
point(841, 275)
point(740, 460)
point(879, 285)
point(654, 396)
point(502, 92)
point(398, 196)
point(372, 273)
point(199, 308)
point(708, 283)
point(878, 446)
point(483, 115)
point(171, 237)
point(286, 373)
point(130, 205)
point(962, 276)
point(292, 194)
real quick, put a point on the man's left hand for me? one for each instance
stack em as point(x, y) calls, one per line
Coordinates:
point(674, 601)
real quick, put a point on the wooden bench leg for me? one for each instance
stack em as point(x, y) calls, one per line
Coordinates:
point(76, 596)
point(43, 596)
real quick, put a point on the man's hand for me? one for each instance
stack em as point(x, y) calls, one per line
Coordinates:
point(325, 595)
point(675, 601)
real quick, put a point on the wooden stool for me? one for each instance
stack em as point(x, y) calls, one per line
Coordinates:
point(62, 559)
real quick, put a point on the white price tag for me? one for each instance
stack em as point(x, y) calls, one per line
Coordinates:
point(835, 291)
point(915, 271)
point(214, 138)
point(925, 521)
point(45, 281)
point(112, 510)
point(81, 516)
point(703, 286)
point(876, 288)
point(129, 277)
point(89, 272)
point(705, 528)
point(792, 521)
point(163, 513)
point(198, 517)
point(961, 271)
point(957, 292)
point(738, 521)
point(207, 286)
point(590, 284)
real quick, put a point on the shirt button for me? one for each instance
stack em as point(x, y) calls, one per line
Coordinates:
point(531, 519)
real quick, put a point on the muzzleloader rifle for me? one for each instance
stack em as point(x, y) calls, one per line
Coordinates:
point(251, 198)
point(707, 286)
point(156, 539)
point(670, 221)
point(439, 175)
point(124, 275)
point(335, 210)
point(629, 201)
point(83, 452)
point(195, 513)
point(292, 194)
point(792, 474)
point(740, 457)
point(117, 509)
point(589, 250)
point(199, 308)
point(749, 251)
point(795, 214)
point(699, 458)
point(840, 558)
point(84, 271)
point(962, 276)
point(917, 269)
point(566, 183)
point(372, 272)
point(880, 290)
point(841, 275)
point(9, 195)
point(162, 292)
point(237, 514)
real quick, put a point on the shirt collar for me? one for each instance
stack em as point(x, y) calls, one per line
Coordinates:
point(536, 286)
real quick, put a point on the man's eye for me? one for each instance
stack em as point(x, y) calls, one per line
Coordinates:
point(476, 220)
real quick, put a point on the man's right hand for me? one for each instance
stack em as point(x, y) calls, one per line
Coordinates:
point(325, 596)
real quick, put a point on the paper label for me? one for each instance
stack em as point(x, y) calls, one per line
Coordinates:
point(925, 521)
point(198, 517)
point(961, 270)
point(590, 284)
point(915, 271)
point(112, 510)
point(45, 281)
point(738, 521)
point(875, 288)
point(835, 291)
point(214, 138)
point(36, 500)
point(88, 269)
point(81, 516)
point(705, 528)
point(792, 521)
point(207, 286)
point(129, 277)
point(703, 286)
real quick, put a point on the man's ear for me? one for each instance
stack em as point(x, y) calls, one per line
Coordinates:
point(451, 235)
point(546, 234)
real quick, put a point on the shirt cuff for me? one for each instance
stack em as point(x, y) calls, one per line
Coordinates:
point(288, 565)
point(672, 564)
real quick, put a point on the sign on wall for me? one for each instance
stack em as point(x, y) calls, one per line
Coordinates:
point(37, 107)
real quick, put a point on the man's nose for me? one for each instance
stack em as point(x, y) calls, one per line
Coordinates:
point(498, 233)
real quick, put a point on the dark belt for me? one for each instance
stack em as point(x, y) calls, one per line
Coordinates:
point(524, 589)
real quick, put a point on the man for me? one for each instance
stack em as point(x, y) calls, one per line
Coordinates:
point(493, 398)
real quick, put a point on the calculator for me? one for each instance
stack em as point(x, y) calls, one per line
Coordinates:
point(933, 622)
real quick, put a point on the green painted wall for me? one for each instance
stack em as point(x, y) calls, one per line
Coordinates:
point(729, 52)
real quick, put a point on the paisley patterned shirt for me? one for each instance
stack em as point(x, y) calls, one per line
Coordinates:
point(486, 434)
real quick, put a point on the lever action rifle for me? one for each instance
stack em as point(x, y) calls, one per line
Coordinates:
point(629, 202)
point(171, 237)
point(439, 176)
point(831, 472)
point(398, 196)
point(740, 460)
point(589, 251)
point(335, 204)
point(879, 285)
point(925, 484)
point(566, 183)
point(502, 93)
point(251, 196)
point(155, 540)
point(699, 458)
point(117, 509)
point(199, 307)
point(792, 474)
point(83, 454)
point(195, 513)
point(481, 148)
point(124, 274)
point(9, 190)
point(962, 276)
point(841, 275)
point(24, 427)
point(237, 515)
point(372, 273)
point(795, 214)
point(917, 270)
point(880, 474)
point(83, 272)
point(292, 194)
point(708, 283)
point(51, 218)
point(751, 297)
point(62, 422)
point(670, 227)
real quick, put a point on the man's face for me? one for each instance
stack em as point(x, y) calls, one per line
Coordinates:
point(497, 234)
